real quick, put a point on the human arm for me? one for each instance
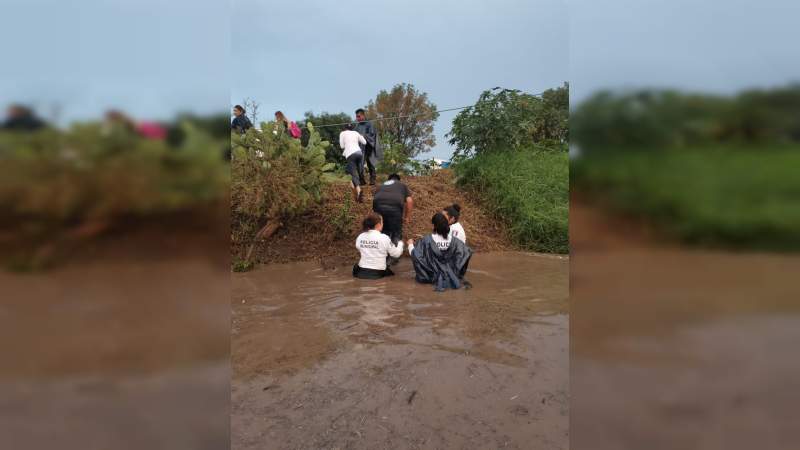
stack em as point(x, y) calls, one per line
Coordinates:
point(361, 140)
point(410, 246)
point(407, 210)
point(341, 142)
point(395, 250)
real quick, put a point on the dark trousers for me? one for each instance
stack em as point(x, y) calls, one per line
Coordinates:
point(392, 226)
point(354, 163)
point(368, 152)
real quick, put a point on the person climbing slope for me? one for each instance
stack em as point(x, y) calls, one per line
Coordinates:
point(374, 247)
point(371, 149)
point(439, 259)
point(349, 141)
point(453, 213)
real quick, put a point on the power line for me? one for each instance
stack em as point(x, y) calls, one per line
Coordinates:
point(304, 127)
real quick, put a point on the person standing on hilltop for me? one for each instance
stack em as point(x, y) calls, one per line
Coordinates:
point(394, 203)
point(371, 149)
point(289, 126)
point(240, 122)
point(350, 141)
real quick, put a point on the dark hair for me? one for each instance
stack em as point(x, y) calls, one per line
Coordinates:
point(239, 107)
point(440, 225)
point(348, 126)
point(371, 221)
point(394, 176)
point(453, 211)
point(360, 111)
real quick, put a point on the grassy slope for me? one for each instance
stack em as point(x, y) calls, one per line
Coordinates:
point(729, 197)
point(528, 190)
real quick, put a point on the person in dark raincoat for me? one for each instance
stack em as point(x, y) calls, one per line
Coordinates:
point(372, 149)
point(439, 259)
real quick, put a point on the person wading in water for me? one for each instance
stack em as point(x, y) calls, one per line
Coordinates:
point(375, 248)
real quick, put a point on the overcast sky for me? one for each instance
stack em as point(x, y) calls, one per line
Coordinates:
point(336, 56)
point(151, 58)
point(155, 58)
point(719, 46)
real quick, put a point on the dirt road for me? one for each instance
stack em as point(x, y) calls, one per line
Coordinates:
point(322, 360)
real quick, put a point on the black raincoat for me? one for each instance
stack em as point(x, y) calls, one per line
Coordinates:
point(367, 129)
point(443, 269)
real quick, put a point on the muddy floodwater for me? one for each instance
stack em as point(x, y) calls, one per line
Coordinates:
point(679, 348)
point(322, 360)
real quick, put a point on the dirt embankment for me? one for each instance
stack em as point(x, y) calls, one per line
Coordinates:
point(314, 235)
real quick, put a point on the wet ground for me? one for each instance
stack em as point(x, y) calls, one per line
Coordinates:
point(129, 352)
point(322, 360)
point(677, 348)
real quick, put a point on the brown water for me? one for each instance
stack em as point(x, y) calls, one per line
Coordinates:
point(674, 348)
point(322, 360)
point(115, 354)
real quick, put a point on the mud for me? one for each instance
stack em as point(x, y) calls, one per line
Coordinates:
point(331, 248)
point(322, 360)
point(125, 346)
point(679, 348)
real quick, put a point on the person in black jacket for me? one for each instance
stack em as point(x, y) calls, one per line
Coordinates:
point(439, 259)
point(371, 150)
point(240, 122)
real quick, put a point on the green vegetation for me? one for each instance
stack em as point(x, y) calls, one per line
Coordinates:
point(511, 152)
point(507, 119)
point(654, 119)
point(274, 178)
point(734, 197)
point(528, 190)
point(333, 153)
point(93, 176)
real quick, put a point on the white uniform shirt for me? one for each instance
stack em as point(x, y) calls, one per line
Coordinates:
point(457, 231)
point(442, 243)
point(349, 140)
point(374, 247)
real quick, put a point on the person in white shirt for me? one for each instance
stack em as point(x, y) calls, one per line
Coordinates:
point(374, 247)
point(349, 141)
point(453, 212)
point(441, 235)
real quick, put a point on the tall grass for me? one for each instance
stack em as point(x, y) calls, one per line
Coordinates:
point(526, 189)
point(730, 197)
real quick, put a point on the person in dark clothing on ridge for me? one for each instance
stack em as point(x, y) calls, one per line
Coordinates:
point(371, 150)
point(393, 202)
point(22, 118)
point(240, 122)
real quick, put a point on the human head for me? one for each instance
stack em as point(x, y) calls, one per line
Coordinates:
point(440, 225)
point(16, 110)
point(238, 110)
point(453, 212)
point(361, 115)
point(373, 221)
point(348, 126)
point(394, 176)
point(279, 117)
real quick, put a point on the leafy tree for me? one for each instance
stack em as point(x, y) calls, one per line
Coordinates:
point(333, 153)
point(648, 119)
point(414, 134)
point(509, 119)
